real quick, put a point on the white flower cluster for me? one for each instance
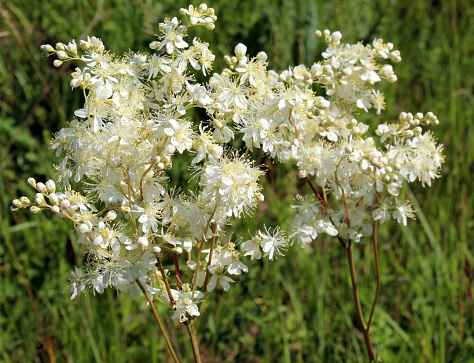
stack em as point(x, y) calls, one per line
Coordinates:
point(283, 115)
point(136, 120)
point(120, 147)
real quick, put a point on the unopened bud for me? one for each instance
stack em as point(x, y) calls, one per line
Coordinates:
point(155, 159)
point(142, 242)
point(50, 186)
point(53, 198)
point(348, 149)
point(35, 210)
point(156, 249)
point(31, 182)
point(40, 187)
point(111, 215)
point(240, 50)
point(65, 204)
point(39, 199)
point(55, 209)
point(25, 200)
point(177, 250)
point(302, 174)
point(62, 55)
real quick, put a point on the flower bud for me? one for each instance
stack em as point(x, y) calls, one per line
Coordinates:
point(240, 50)
point(155, 159)
point(202, 8)
point(40, 187)
point(16, 203)
point(156, 249)
point(142, 242)
point(60, 46)
point(25, 200)
point(47, 48)
point(260, 197)
point(50, 186)
point(39, 199)
point(111, 215)
point(62, 55)
point(125, 209)
point(31, 182)
point(53, 198)
point(57, 63)
point(395, 178)
point(75, 83)
point(336, 36)
point(65, 204)
point(35, 210)
point(302, 174)
point(71, 47)
point(348, 149)
point(177, 250)
point(55, 209)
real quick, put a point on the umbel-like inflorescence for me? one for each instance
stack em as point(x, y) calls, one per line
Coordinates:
point(363, 168)
point(128, 212)
point(119, 149)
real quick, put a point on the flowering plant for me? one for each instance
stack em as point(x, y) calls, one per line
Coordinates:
point(130, 215)
point(307, 116)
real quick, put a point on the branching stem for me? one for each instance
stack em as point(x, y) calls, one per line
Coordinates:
point(158, 320)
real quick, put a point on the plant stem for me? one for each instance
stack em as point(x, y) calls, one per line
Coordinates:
point(377, 269)
point(355, 292)
point(158, 320)
point(194, 343)
point(178, 274)
point(213, 241)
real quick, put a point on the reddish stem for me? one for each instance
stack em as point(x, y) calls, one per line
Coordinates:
point(377, 269)
point(176, 266)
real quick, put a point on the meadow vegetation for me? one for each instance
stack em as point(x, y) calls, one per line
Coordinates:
point(298, 308)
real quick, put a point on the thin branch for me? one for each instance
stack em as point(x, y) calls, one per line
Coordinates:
point(158, 320)
point(377, 269)
point(355, 293)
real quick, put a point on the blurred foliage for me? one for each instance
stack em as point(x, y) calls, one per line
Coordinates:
point(299, 308)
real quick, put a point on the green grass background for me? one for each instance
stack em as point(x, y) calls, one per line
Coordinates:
point(299, 308)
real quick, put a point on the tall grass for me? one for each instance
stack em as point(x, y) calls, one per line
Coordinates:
point(298, 309)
